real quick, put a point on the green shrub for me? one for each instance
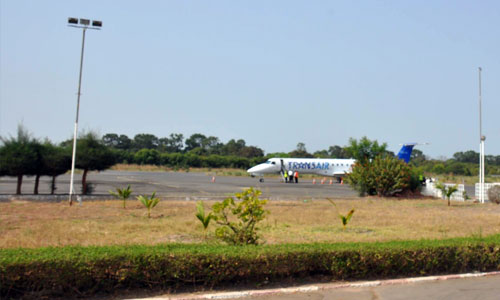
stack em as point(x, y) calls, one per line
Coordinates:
point(149, 202)
point(343, 218)
point(384, 176)
point(237, 220)
point(85, 271)
point(147, 157)
point(200, 215)
point(123, 194)
point(446, 191)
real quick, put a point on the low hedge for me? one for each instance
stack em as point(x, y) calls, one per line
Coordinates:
point(85, 271)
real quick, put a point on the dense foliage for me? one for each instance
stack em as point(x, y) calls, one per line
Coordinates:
point(85, 271)
point(383, 176)
point(365, 150)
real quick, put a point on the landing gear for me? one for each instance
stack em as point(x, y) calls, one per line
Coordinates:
point(261, 180)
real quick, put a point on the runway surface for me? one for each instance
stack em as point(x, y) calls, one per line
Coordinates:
point(188, 186)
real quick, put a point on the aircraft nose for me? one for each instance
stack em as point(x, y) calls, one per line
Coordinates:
point(257, 168)
point(253, 169)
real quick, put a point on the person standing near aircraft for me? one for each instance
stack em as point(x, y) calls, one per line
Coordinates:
point(296, 176)
point(290, 176)
point(285, 175)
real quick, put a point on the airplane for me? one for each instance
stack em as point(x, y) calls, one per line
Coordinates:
point(332, 167)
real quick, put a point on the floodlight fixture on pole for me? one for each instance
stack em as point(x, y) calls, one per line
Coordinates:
point(84, 24)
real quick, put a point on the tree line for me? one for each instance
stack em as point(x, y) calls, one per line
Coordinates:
point(462, 163)
point(27, 156)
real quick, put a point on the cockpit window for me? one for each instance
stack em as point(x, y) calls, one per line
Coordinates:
point(273, 162)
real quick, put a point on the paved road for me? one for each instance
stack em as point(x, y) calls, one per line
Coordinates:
point(184, 185)
point(484, 288)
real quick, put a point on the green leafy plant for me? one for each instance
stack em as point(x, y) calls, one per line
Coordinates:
point(123, 194)
point(237, 220)
point(447, 191)
point(384, 176)
point(343, 218)
point(200, 214)
point(149, 202)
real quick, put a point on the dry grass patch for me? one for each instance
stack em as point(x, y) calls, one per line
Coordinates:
point(28, 224)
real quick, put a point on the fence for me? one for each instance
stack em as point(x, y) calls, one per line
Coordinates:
point(430, 190)
point(487, 186)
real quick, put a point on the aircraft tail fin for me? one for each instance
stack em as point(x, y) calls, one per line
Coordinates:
point(405, 152)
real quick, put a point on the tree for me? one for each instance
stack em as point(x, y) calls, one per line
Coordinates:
point(301, 151)
point(124, 143)
point(116, 141)
point(110, 140)
point(175, 143)
point(195, 141)
point(234, 147)
point(337, 152)
point(92, 155)
point(467, 156)
point(145, 141)
point(36, 169)
point(321, 154)
point(18, 156)
point(251, 151)
point(55, 161)
point(417, 157)
point(364, 149)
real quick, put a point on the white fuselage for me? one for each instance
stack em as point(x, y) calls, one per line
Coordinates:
point(319, 166)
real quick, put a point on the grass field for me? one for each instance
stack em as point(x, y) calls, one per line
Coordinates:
point(29, 224)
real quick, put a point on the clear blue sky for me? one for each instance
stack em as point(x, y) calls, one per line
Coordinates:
point(273, 73)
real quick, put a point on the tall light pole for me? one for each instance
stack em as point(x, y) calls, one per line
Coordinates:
point(482, 138)
point(84, 24)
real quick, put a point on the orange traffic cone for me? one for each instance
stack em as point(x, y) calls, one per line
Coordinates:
point(342, 181)
point(213, 179)
point(314, 180)
point(331, 181)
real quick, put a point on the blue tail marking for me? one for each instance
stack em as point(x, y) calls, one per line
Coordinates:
point(405, 152)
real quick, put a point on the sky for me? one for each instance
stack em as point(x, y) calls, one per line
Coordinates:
point(274, 73)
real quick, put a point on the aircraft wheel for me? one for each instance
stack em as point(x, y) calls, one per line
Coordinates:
point(261, 180)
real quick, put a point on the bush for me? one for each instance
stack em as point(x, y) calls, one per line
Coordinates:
point(383, 176)
point(85, 271)
point(149, 202)
point(248, 211)
point(147, 157)
point(494, 194)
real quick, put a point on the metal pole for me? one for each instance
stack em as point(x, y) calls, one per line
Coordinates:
point(483, 188)
point(76, 121)
point(481, 145)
